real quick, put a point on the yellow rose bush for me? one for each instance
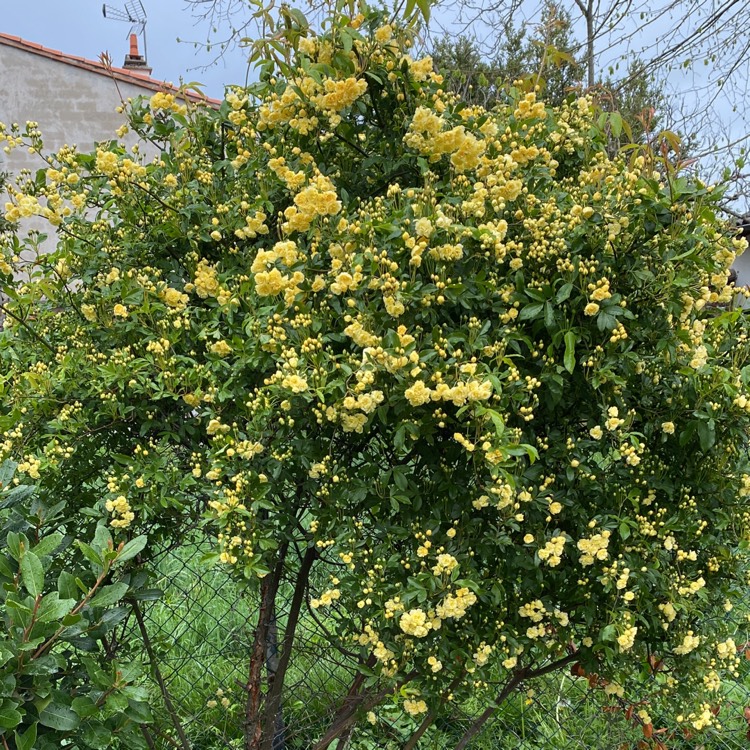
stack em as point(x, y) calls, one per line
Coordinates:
point(453, 382)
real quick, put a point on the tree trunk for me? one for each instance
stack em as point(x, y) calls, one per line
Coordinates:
point(269, 587)
point(276, 666)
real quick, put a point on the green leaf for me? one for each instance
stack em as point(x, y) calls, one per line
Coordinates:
point(97, 736)
point(9, 716)
point(13, 540)
point(139, 712)
point(398, 477)
point(17, 496)
point(26, 740)
point(563, 292)
point(706, 434)
point(569, 359)
point(48, 545)
point(32, 574)
point(60, 717)
point(497, 421)
point(103, 539)
point(149, 595)
point(66, 586)
point(53, 608)
point(7, 470)
point(608, 633)
point(84, 706)
point(110, 595)
point(605, 321)
point(549, 315)
point(531, 311)
point(615, 123)
point(424, 7)
point(89, 553)
point(400, 437)
point(112, 617)
point(132, 548)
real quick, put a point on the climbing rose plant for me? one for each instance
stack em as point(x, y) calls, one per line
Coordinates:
point(476, 388)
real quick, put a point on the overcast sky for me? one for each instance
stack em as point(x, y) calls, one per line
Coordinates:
point(77, 27)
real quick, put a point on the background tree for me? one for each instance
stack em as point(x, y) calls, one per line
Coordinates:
point(545, 58)
point(693, 52)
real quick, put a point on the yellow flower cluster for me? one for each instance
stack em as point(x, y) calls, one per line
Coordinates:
point(454, 606)
point(294, 383)
point(415, 707)
point(482, 654)
point(122, 514)
point(106, 162)
point(327, 598)
point(727, 649)
point(221, 348)
point(594, 548)
point(700, 357)
point(269, 280)
point(551, 553)
point(205, 280)
point(357, 332)
point(318, 199)
point(254, 225)
point(446, 564)
point(459, 394)
point(167, 102)
point(529, 107)
point(614, 420)
point(297, 103)
point(689, 643)
point(415, 622)
point(338, 95)
point(174, 298)
point(535, 610)
point(626, 639)
point(426, 134)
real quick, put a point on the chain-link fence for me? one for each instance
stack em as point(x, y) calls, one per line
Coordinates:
point(197, 640)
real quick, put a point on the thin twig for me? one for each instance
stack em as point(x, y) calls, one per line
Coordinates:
point(428, 721)
point(185, 743)
point(518, 678)
point(147, 736)
point(39, 338)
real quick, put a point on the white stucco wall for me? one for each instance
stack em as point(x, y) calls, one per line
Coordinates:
point(742, 266)
point(73, 106)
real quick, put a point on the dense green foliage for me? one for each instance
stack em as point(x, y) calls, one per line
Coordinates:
point(473, 385)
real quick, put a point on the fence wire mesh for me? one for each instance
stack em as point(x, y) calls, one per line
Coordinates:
point(200, 635)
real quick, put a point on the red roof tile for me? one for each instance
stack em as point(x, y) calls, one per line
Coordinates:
point(119, 74)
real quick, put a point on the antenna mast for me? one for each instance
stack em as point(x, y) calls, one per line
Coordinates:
point(133, 13)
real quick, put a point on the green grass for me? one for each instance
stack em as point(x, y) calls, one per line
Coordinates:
point(202, 632)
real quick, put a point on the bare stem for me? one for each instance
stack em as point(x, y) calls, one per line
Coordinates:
point(28, 328)
point(184, 742)
point(517, 679)
point(273, 699)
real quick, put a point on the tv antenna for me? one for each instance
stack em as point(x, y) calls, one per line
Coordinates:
point(133, 13)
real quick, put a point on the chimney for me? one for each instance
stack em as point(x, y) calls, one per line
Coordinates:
point(135, 62)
